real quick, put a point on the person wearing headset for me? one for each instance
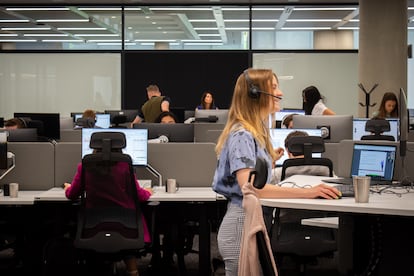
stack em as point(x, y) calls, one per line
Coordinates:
point(246, 137)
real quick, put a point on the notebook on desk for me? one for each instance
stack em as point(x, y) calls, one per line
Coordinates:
point(377, 161)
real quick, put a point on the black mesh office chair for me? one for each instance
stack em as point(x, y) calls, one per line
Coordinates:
point(106, 227)
point(377, 127)
point(288, 236)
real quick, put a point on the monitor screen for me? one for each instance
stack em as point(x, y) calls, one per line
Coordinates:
point(129, 113)
point(1, 122)
point(358, 128)
point(102, 120)
point(278, 136)
point(334, 127)
point(136, 143)
point(280, 115)
point(174, 132)
point(221, 114)
point(51, 123)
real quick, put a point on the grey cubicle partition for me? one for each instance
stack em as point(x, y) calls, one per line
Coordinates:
point(67, 156)
point(345, 153)
point(70, 135)
point(331, 152)
point(191, 164)
point(201, 129)
point(35, 165)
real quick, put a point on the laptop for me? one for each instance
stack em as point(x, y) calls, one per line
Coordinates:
point(377, 161)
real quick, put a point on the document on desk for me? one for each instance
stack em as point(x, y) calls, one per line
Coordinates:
point(53, 194)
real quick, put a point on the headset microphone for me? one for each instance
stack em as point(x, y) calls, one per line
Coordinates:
point(254, 91)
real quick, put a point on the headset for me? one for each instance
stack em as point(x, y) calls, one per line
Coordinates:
point(254, 91)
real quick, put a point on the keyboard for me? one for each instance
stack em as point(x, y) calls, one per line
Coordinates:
point(349, 181)
point(346, 190)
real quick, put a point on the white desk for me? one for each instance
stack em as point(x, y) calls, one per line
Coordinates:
point(186, 194)
point(24, 198)
point(53, 194)
point(385, 222)
point(385, 204)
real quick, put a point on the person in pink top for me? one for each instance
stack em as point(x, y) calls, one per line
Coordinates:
point(115, 194)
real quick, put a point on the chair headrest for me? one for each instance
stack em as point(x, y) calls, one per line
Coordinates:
point(377, 126)
point(303, 144)
point(116, 140)
point(85, 122)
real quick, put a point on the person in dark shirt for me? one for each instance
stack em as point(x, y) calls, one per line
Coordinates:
point(152, 108)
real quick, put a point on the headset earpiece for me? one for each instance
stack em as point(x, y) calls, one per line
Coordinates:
point(254, 91)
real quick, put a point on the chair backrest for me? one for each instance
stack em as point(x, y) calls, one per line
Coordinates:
point(306, 145)
point(85, 122)
point(107, 222)
point(377, 127)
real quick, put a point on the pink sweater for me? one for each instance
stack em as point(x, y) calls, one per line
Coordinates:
point(115, 195)
point(249, 263)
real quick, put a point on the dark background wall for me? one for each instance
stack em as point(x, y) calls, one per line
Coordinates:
point(183, 76)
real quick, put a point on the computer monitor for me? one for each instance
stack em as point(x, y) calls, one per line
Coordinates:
point(21, 135)
point(280, 115)
point(1, 122)
point(102, 120)
point(278, 136)
point(358, 128)
point(136, 143)
point(51, 123)
point(221, 114)
point(404, 122)
point(174, 132)
point(334, 127)
point(129, 113)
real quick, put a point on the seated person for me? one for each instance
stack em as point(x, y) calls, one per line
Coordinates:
point(310, 170)
point(14, 123)
point(166, 117)
point(73, 191)
point(87, 121)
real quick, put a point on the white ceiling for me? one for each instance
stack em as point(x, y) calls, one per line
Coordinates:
point(147, 21)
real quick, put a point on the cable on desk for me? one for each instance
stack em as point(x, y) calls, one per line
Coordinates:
point(294, 185)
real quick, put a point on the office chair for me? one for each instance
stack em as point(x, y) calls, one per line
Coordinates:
point(85, 122)
point(288, 236)
point(377, 127)
point(107, 228)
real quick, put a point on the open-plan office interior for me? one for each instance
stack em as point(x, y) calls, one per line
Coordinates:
point(63, 57)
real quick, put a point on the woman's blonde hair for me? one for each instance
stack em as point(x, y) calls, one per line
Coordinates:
point(246, 111)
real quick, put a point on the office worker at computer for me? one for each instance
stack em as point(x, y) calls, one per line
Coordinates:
point(313, 103)
point(73, 191)
point(287, 121)
point(244, 138)
point(153, 107)
point(166, 117)
point(207, 101)
point(14, 123)
point(388, 107)
point(87, 120)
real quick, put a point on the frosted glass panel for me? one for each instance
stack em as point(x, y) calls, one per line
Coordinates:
point(61, 82)
point(334, 74)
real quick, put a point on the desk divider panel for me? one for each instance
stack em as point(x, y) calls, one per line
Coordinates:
point(331, 152)
point(67, 157)
point(201, 129)
point(191, 164)
point(70, 135)
point(35, 165)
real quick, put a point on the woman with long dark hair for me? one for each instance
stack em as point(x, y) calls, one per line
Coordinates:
point(313, 102)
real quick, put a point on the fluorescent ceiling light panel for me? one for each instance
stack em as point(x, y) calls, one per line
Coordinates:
point(326, 9)
point(62, 40)
point(37, 9)
point(306, 28)
point(62, 20)
point(18, 40)
point(14, 20)
point(55, 35)
point(97, 35)
point(179, 9)
point(26, 29)
point(313, 20)
point(99, 9)
point(81, 29)
point(203, 44)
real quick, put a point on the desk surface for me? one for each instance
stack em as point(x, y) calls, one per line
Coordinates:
point(183, 194)
point(387, 204)
point(24, 198)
